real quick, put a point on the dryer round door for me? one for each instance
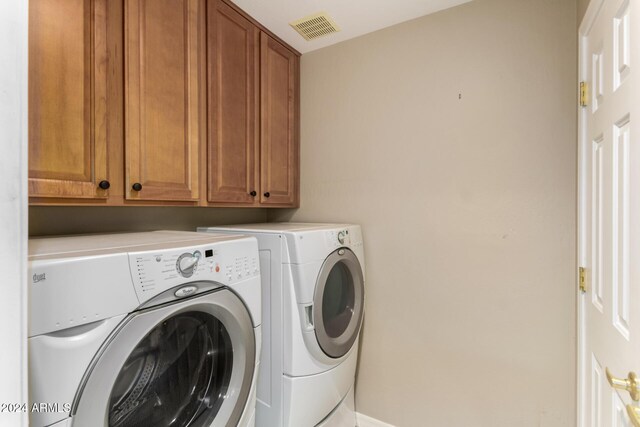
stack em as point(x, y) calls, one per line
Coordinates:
point(189, 363)
point(338, 303)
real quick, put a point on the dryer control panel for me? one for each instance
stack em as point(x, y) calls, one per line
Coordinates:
point(225, 263)
point(349, 236)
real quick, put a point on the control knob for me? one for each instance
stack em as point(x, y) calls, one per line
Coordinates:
point(187, 263)
point(342, 236)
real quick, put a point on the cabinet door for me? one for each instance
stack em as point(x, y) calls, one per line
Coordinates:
point(67, 98)
point(233, 102)
point(278, 140)
point(164, 59)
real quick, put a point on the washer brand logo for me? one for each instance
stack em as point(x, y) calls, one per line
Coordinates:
point(39, 277)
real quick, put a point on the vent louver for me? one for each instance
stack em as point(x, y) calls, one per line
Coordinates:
point(314, 26)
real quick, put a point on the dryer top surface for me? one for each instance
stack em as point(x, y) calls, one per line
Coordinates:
point(280, 227)
point(306, 242)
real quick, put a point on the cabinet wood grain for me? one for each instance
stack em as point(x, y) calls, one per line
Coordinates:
point(67, 98)
point(279, 156)
point(164, 98)
point(192, 99)
point(233, 61)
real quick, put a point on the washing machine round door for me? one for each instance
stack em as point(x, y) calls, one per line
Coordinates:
point(338, 304)
point(185, 364)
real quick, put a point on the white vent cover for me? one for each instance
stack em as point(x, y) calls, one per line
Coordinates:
point(314, 26)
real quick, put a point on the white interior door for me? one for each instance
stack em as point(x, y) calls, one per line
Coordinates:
point(609, 311)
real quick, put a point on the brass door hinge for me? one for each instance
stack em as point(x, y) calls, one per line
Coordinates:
point(583, 280)
point(584, 95)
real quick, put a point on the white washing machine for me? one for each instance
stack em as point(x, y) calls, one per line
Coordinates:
point(313, 305)
point(144, 329)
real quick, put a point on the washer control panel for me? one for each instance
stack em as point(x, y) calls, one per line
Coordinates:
point(226, 262)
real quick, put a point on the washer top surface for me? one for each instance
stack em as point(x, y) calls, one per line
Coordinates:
point(283, 227)
point(100, 244)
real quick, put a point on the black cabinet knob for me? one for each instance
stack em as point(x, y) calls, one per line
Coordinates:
point(267, 194)
point(253, 193)
point(137, 186)
point(104, 184)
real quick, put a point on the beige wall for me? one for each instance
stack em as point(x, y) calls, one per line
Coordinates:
point(582, 8)
point(52, 220)
point(467, 204)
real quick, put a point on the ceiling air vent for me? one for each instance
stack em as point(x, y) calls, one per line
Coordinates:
point(314, 26)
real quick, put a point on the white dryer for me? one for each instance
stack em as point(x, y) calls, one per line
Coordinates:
point(144, 329)
point(313, 305)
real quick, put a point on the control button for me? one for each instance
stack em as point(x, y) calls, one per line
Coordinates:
point(217, 268)
point(158, 258)
point(185, 291)
point(187, 263)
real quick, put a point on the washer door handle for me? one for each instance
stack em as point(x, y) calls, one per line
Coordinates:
point(308, 317)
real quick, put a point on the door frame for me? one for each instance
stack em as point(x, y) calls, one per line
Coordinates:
point(583, 227)
point(14, 19)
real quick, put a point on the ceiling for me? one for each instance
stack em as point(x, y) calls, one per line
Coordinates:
point(354, 17)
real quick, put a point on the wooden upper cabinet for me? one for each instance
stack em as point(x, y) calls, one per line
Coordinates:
point(164, 98)
point(278, 135)
point(174, 102)
point(67, 98)
point(233, 61)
